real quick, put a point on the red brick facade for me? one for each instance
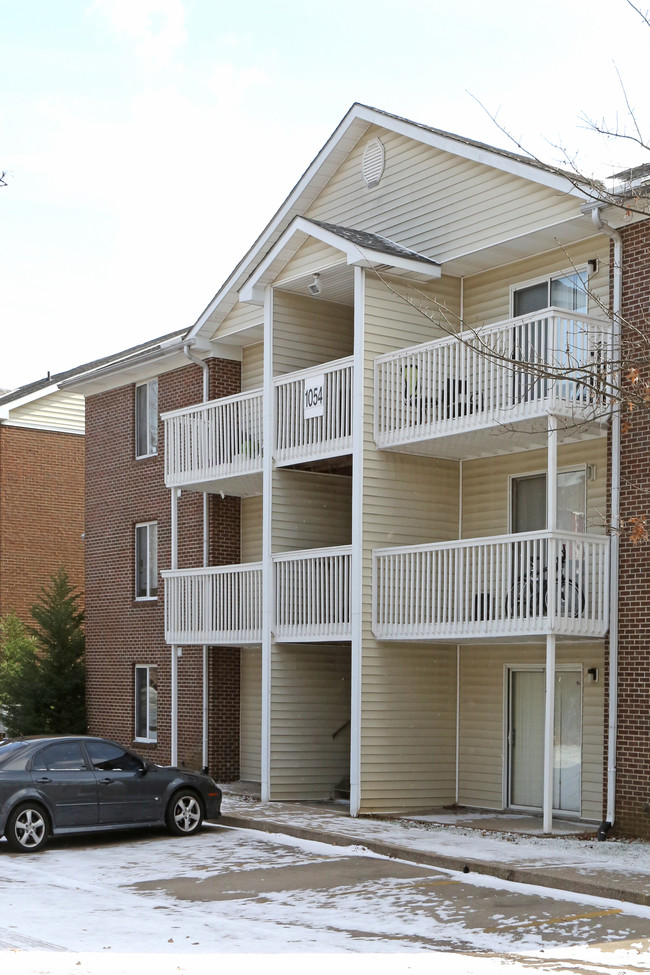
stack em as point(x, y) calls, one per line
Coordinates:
point(122, 631)
point(633, 740)
point(41, 513)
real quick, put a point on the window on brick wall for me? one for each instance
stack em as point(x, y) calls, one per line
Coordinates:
point(146, 419)
point(146, 702)
point(146, 560)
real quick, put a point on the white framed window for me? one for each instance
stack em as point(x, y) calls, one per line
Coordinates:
point(146, 702)
point(566, 290)
point(146, 419)
point(528, 501)
point(146, 560)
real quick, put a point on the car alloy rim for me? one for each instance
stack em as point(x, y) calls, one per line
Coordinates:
point(29, 828)
point(187, 813)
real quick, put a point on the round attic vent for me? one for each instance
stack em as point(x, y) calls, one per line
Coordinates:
point(372, 165)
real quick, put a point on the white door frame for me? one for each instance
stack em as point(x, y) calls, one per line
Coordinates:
point(509, 668)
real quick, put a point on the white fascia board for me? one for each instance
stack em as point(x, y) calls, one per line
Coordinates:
point(6, 408)
point(479, 154)
point(399, 263)
point(300, 230)
point(26, 425)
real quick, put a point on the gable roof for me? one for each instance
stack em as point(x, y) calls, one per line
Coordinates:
point(346, 135)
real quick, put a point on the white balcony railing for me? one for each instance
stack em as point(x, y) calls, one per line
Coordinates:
point(213, 441)
point(314, 412)
point(513, 585)
point(313, 594)
point(552, 360)
point(220, 605)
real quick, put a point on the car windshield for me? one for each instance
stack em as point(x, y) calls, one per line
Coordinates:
point(9, 748)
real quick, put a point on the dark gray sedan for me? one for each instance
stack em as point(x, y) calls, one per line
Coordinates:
point(59, 785)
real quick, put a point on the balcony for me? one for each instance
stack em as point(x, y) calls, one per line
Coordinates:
point(216, 446)
point(217, 606)
point(312, 599)
point(510, 587)
point(314, 413)
point(456, 397)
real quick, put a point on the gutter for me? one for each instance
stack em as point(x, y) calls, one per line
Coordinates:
point(614, 557)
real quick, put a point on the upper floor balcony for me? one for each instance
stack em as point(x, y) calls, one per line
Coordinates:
point(222, 605)
point(217, 446)
point(456, 396)
point(508, 587)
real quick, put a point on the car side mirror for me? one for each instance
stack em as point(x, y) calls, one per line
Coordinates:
point(142, 769)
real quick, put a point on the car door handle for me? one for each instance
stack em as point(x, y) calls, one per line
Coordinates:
point(43, 781)
point(106, 781)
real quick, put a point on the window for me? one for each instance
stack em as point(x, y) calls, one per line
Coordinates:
point(109, 758)
point(146, 419)
point(146, 702)
point(146, 560)
point(528, 501)
point(65, 756)
point(564, 291)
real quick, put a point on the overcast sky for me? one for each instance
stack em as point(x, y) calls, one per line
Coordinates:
point(148, 142)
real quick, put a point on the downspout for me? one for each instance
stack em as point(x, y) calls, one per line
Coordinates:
point(206, 559)
point(615, 236)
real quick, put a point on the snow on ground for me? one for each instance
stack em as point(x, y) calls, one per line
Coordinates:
point(431, 834)
point(120, 905)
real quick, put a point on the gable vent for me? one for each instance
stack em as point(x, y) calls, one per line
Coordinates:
point(372, 165)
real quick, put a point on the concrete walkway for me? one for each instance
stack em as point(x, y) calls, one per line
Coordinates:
point(567, 860)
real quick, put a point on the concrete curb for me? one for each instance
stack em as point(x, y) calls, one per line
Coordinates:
point(535, 876)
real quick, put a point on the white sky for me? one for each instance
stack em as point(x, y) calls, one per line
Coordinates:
point(148, 142)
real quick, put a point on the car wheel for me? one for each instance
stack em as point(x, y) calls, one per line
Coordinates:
point(27, 829)
point(184, 814)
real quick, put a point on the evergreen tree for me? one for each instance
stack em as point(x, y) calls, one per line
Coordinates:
point(60, 641)
point(19, 679)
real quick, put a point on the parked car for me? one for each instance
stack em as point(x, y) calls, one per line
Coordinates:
point(59, 785)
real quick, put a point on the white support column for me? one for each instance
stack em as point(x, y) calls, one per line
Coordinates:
point(356, 558)
point(549, 721)
point(205, 716)
point(174, 744)
point(268, 594)
point(551, 556)
point(174, 661)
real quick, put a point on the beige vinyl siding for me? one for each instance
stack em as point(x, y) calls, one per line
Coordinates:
point(310, 510)
point(62, 411)
point(250, 729)
point(251, 529)
point(408, 734)
point(252, 367)
point(312, 256)
point(408, 690)
point(436, 202)
point(244, 315)
point(308, 332)
point(310, 703)
point(486, 485)
point(483, 721)
point(487, 295)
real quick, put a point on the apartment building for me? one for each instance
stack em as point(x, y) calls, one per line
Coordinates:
point(386, 537)
point(41, 491)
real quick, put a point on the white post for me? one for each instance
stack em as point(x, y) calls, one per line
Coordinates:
point(356, 557)
point(551, 557)
point(268, 437)
point(174, 688)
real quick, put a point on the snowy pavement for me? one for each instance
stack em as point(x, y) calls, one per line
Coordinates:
point(615, 868)
point(126, 903)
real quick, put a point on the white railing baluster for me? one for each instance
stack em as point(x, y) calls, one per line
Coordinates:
point(511, 585)
point(490, 376)
point(313, 594)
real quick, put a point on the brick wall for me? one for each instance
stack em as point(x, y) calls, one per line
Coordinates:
point(633, 742)
point(122, 631)
point(41, 513)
